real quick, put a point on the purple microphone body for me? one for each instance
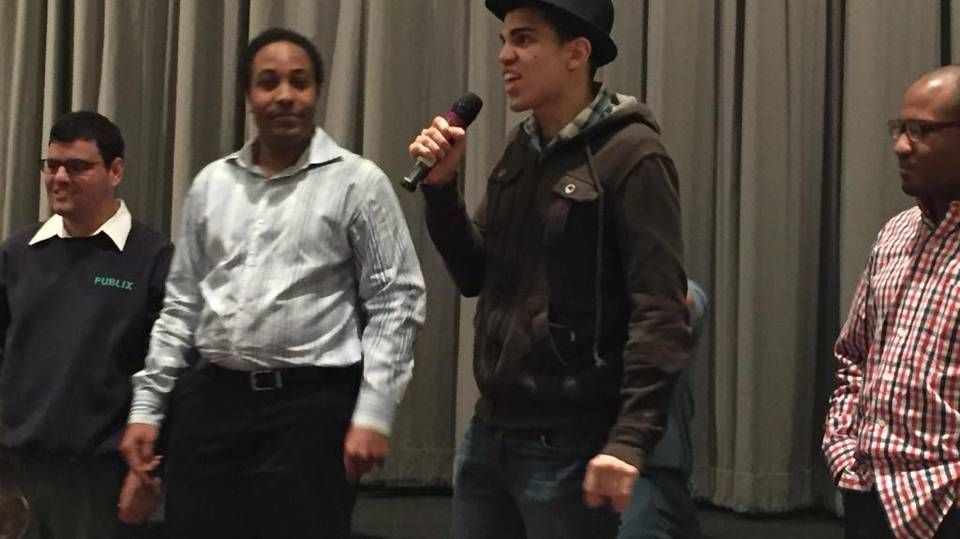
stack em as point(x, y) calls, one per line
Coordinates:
point(461, 114)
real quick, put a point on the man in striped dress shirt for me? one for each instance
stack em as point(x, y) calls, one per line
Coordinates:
point(892, 435)
point(285, 341)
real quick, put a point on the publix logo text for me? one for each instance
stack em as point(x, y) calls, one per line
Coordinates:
point(101, 280)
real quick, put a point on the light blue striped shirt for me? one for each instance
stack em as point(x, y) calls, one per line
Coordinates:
point(314, 266)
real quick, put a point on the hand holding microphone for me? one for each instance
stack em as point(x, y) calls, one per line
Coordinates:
point(439, 148)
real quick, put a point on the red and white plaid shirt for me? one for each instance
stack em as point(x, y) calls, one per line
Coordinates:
point(894, 419)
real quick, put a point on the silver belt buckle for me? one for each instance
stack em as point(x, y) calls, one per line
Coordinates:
point(266, 380)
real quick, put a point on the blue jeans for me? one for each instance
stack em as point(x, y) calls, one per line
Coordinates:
point(515, 484)
point(661, 508)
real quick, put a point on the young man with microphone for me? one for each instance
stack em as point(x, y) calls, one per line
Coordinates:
point(576, 256)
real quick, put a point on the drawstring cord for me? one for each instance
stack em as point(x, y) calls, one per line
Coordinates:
point(598, 281)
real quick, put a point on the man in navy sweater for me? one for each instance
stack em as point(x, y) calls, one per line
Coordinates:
point(78, 296)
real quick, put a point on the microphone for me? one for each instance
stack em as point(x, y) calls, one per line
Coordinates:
point(461, 114)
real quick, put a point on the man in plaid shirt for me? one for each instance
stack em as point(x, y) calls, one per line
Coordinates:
point(892, 435)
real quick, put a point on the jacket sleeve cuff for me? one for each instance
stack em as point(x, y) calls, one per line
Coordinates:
point(374, 412)
point(631, 455)
point(443, 197)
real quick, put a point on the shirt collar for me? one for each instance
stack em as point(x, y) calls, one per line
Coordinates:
point(926, 213)
point(117, 228)
point(599, 108)
point(322, 150)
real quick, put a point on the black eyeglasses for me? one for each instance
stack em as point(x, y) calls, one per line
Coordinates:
point(74, 166)
point(916, 129)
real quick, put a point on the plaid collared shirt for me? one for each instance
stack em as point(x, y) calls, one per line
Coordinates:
point(598, 109)
point(894, 419)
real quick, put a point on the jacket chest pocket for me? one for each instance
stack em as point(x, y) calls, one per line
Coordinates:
point(502, 199)
point(505, 217)
point(570, 240)
point(571, 210)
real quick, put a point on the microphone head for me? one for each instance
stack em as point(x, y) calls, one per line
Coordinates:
point(465, 110)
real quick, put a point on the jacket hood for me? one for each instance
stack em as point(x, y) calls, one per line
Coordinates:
point(626, 110)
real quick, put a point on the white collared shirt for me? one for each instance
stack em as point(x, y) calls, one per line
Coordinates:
point(117, 228)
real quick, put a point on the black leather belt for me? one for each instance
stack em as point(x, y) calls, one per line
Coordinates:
point(288, 378)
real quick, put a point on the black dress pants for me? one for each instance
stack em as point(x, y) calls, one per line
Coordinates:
point(864, 518)
point(259, 458)
point(65, 497)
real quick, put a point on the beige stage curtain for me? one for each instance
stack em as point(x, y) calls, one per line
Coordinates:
point(774, 111)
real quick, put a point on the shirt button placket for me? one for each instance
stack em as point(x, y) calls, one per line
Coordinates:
point(257, 236)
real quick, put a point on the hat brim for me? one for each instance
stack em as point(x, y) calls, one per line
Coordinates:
point(604, 49)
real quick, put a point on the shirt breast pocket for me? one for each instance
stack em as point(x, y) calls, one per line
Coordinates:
point(940, 325)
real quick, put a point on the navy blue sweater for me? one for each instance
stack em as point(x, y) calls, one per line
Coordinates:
point(75, 316)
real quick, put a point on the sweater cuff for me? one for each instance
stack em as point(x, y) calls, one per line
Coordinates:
point(631, 455)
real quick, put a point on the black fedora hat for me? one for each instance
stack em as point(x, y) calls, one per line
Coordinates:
point(597, 17)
